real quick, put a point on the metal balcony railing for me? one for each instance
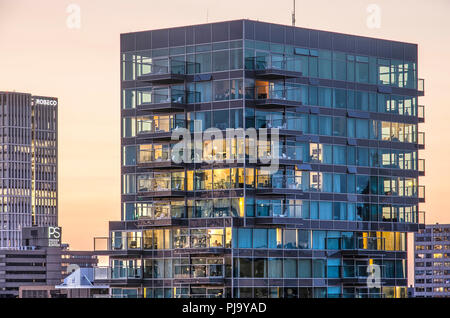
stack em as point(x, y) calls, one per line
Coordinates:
point(421, 112)
point(421, 139)
point(421, 85)
point(421, 166)
point(421, 192)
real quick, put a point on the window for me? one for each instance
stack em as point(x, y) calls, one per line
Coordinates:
point(325, 210)
point(304, 268)
point(245, 267)
point(290, 239)
point(221, 90)
point(304, 239)
point(319, 268)
point(245, 238)
point(275, 268)
point(128, 99)
point(340, 98)
point(325, 125)
point(203, 62)
point(260, 238)
point(236, 59)
point(339, 126)
point(362, 128)
point(319, 240)
point(325, 97)
point(260, 267)
point(220, 119)
point(236, 90)
point(362, 69)
point(221, 61)
point(129, 155)
point(290, 268)
point(325, 64)
point(203, 92)
point(339, 66)
point(129, 127)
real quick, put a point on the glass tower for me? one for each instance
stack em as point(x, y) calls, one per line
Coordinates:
point(28, 165)
point(331, 221)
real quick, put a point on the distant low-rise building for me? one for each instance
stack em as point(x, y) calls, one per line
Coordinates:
point(36, 265)
point(80, 284)
point(72, 260)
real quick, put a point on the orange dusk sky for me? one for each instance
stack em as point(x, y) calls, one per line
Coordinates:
point(40, 54)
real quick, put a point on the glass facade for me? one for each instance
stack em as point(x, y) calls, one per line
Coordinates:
point(342, 200)
point(28, 165)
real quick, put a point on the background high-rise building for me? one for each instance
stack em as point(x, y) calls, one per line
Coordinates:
point(28, 164)
point(432, 261)
point(347, 190)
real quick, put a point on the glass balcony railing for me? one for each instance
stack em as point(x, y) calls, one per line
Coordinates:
point(273, 62)
point(117, 243)
point(264, 209)
point(161, 67)
point(421, 165)
point(279, 182)
point(272, 92)
point(161, 154)
point(421, 192)
point(421, 139)
point(421, 112)
point(111, 273)
point(159, 125)
point(159, 183)
point(162, 211)
point(290, 123)
point(160, 96)
point(358, 271)
point(421, 85)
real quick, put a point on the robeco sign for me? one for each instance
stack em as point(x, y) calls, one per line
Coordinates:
point(47, 102)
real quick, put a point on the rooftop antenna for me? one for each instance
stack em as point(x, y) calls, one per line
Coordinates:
point(293, 15)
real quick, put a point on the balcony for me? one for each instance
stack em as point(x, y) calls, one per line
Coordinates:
point(162, 214)
point(274, 66)
point(356, 274)
point(421, 194)
point(162, 71)
point(421, 86)
point(421, 140)
point(277, 184)
point(117, 274)
point(290, 126)
point(421, 167)
point(361, 247)
point(421, 113)
point(160, 185)
point(271, 96)
point(161, 100)
point(158, 127)
point(118, 245)
point(157, 156)
point(207, 271)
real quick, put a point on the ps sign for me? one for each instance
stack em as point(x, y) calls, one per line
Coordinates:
point(54, 236)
